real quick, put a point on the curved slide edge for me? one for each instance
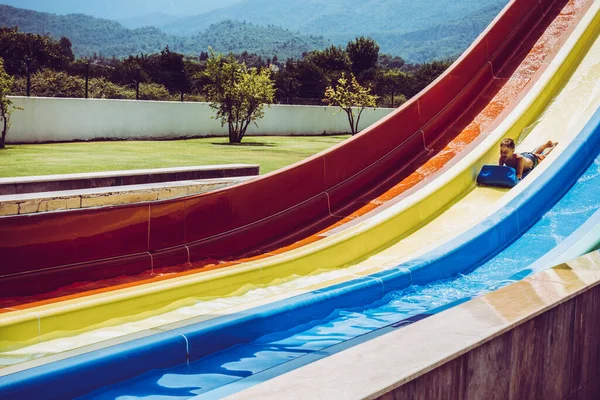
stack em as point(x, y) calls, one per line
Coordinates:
point(133, 239)
point(484, 241)
point(188, 344)
point(583, 241)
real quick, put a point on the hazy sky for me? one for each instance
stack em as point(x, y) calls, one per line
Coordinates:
point(121, 8)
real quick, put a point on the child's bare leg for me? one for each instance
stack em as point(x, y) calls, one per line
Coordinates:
point(546, 148)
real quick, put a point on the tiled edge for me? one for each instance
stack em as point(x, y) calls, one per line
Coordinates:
point(111, 196)
point(499, 342)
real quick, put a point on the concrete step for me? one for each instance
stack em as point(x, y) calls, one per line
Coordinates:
point(53, 183)
point(30, 203)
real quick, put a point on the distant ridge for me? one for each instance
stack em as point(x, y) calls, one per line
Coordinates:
point(121, 9)
point(418, 31)
point(108, 38)
point(406, 28)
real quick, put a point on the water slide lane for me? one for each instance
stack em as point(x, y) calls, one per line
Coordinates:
point(262, 343)
point(144, 238)
point(31, 327)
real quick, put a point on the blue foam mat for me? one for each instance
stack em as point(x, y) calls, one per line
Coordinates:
point(495, 175)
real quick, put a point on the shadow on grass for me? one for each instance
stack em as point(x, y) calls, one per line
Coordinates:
point(250, 144)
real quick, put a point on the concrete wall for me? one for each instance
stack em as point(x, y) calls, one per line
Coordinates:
point(555, 355)
point(538, 338)
point(56, 119)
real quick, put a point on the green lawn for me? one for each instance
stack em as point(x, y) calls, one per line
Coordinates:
point(270, 153)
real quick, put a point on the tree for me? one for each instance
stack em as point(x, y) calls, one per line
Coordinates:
point(427, 73)
point(6, 105)
point(332, 61)
point(237, 93)
point(333, 58)
point(65, 50)
point(352, 98)
point(23, 51)
point(50, 83)
point(363, 53)
point(394, 83)
point(169, 70)
point(286, 82)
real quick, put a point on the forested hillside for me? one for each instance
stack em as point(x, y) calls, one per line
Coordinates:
point(43, 66)
point(418, 31)
point(108, 38)
point(117, 9)
point(415, 30)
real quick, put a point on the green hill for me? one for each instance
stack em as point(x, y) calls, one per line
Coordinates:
point(418, 31)
point(415, 30)
point(120, 9)
point(91, 35)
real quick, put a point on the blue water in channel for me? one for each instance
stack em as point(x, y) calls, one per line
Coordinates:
point(242, 361)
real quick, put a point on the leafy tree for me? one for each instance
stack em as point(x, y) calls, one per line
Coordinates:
point(286, 82)
point(65, 50)
point(333, 61)
point(126, 72)
point(23, 50)
point(300, 81)
point(168, 69)
point(236, 93)
point(363, 53)
point(311, 78)
point(352, 98)
point(333, 58)
point(6, 105)
point(427, 73)
point(389, 62)
point(395, 84)
point(154, 91)
point(50, 83)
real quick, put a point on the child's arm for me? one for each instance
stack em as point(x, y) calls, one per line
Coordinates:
point(520, 167)
point(500, 162)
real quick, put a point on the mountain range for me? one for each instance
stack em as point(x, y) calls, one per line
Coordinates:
point(108, 38)
point(340, 17)
point(121, 9)
point(418, 31)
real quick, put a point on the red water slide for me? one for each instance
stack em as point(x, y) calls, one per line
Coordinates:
point(41, 252)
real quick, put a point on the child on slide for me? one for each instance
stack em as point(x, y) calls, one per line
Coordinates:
point(523, 162)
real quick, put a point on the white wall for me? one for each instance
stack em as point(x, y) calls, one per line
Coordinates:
point(56, 119)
